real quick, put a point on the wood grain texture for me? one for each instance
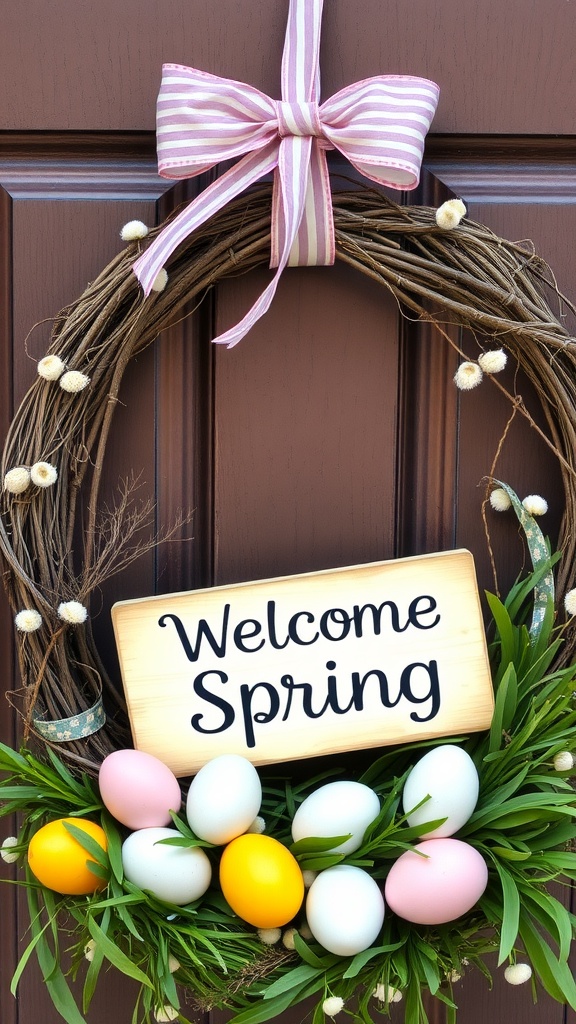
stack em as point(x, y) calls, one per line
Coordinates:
point(502, 68)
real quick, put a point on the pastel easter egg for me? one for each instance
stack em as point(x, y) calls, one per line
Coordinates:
point(138, 789)
point(174, 874)
point(438, 881)
point(337, 809)
point(447, 774)
point(224, 799)
point(345, 909)
point(261, 880)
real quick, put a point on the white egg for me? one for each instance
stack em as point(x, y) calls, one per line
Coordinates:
point(448, 775)
point(175, 874)
point(337, 809)
point(345, 909)
point(224, 799)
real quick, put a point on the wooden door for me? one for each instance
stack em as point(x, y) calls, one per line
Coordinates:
point(333, 434)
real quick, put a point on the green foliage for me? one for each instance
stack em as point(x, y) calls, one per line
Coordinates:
point(524, 826)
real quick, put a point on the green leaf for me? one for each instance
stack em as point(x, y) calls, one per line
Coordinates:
point(116, 956)
point(510, 913)
point(504, 707)
point(555, 976)
point(317, 844)
point(88, 843)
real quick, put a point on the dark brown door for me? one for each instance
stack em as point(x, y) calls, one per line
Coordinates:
point(333, 434)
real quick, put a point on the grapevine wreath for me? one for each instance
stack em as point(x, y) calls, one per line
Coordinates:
point(58, 544)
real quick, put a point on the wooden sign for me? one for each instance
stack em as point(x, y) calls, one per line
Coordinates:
point(276, 670)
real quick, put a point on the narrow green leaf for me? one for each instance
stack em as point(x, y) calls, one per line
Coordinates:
point(510, 913)
point(116, 956)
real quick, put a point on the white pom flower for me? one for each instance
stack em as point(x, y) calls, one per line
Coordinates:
point(332, 1005)
point(17, 480)
point(493, 362)
point(288, 938)
point(133, 230)
point(468, 376)
point(535, 505)
point(160, 281)
point(390, 994)
point(89, 950)
point(28, 620)
point(51, 367)
point(500, 500)
point(173, 964)
point(73, 381)
point(72, 612)
point(517, 974)
point(563, 761)
point(450, 214)
point(7, 850)
point(570, 602)
point(269, 936)
point(43, 474)
point(258, 826)
point(305, 932)
point(165, 1013)
point(308, 877)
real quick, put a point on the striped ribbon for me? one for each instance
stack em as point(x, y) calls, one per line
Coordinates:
point(378, 124)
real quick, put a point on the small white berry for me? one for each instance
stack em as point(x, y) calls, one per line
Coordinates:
point(332, 1005)
point(309, 877)
point(450, 214)
point(563, 761)
point(17, 480)
point(133, 230)
point(72, 612)
point(468, 376)
point(160, 281)
point(288, 938)
point(73, 381)
point(51, 367)
point(570, 602)
point(500, 500)
point(269, 936)
point(6, 850)
point(494, 361)
point(535, 505)
point(28, 620)
point(517, 974)
point(43, 474)
point(258, 826)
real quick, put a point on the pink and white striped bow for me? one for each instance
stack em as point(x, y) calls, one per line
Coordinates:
point(378, 124)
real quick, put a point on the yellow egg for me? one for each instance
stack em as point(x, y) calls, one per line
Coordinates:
point(59, 861)
point(261, 880)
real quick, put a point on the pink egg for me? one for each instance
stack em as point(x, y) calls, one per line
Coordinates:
point(138, 789)
point(438, 887)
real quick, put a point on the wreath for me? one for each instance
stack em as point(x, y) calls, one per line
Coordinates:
point(57, 549)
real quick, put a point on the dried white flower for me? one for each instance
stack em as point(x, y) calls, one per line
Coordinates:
point(269, 936)
point(563, 761)
point(133, 230)
point(160, 281)
point(494, 361)
point(43, 474)
point(570, 602)
point(17, 480)
point(28, 620)
point(72, 612)
point(450, 213)
point(51, 367)
point(73, 381)
point(288, 938)
point(89, 950)
point(6, 850)
point(468, 376)
point(173, 964)
point(308, 877)
point(332, 1005)
point(165, 1013)
point(258, 826)
point(535, 505)
point(390, 994)
point(305, 932)
point(500, 500)
point(517, 974)
point(453, 976)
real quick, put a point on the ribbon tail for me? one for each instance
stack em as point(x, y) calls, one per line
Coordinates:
point(290, 187)
point(246, 172)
